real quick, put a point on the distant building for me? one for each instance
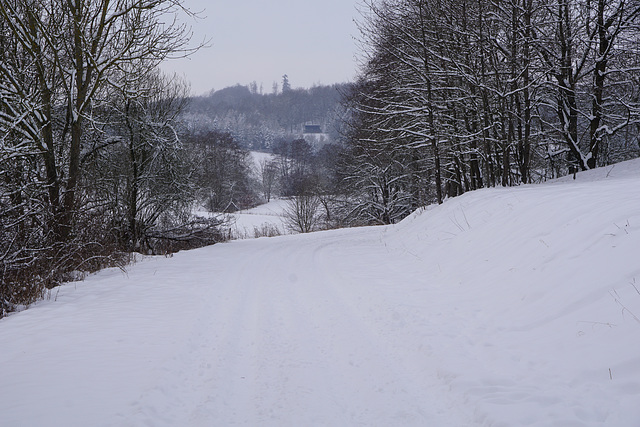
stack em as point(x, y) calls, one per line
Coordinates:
point(312, 129)
point(314, 135)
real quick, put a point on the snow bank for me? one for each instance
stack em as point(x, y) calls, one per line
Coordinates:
point(542, 287)
point(502, 307)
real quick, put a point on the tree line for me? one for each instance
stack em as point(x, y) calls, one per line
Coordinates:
point(259, 120)
point(92, 153)
point(456, 95)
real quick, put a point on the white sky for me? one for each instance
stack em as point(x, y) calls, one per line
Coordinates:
point(310, 41)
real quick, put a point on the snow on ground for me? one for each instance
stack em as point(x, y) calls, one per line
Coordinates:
point(257, 221)
point(502, 307)
point(263, 220)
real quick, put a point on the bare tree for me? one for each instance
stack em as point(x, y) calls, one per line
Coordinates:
point(268, 171)
point(588, 47)
point(301, 213)
point(137, 164)
point(221, 171)
point(466, 94)
point(75, 47)
point(61, 63)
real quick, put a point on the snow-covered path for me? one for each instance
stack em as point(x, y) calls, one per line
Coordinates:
point(260, 332)
point(502, 307)
point(300, 349)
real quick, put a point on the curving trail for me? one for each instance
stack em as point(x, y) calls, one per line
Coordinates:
point(280, 340)
point(282, 331)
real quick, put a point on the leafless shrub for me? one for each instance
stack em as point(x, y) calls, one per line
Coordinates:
point(302, 213)
point(266, 230)
point(194, 234)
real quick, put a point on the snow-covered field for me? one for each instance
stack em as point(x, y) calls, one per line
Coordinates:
point(269, 216)
point(266, 219)
point(254, 222)
point(503, 307)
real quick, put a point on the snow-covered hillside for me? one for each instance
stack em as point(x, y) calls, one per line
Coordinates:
point(503, 307)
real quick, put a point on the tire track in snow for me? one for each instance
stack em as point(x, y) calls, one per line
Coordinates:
point(285, 345)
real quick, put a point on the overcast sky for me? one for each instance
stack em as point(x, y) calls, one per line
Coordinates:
point(257, 40)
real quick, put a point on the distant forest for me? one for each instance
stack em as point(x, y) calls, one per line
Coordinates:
point(257, 120)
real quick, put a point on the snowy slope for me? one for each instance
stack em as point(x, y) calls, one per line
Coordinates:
point(503, 307)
